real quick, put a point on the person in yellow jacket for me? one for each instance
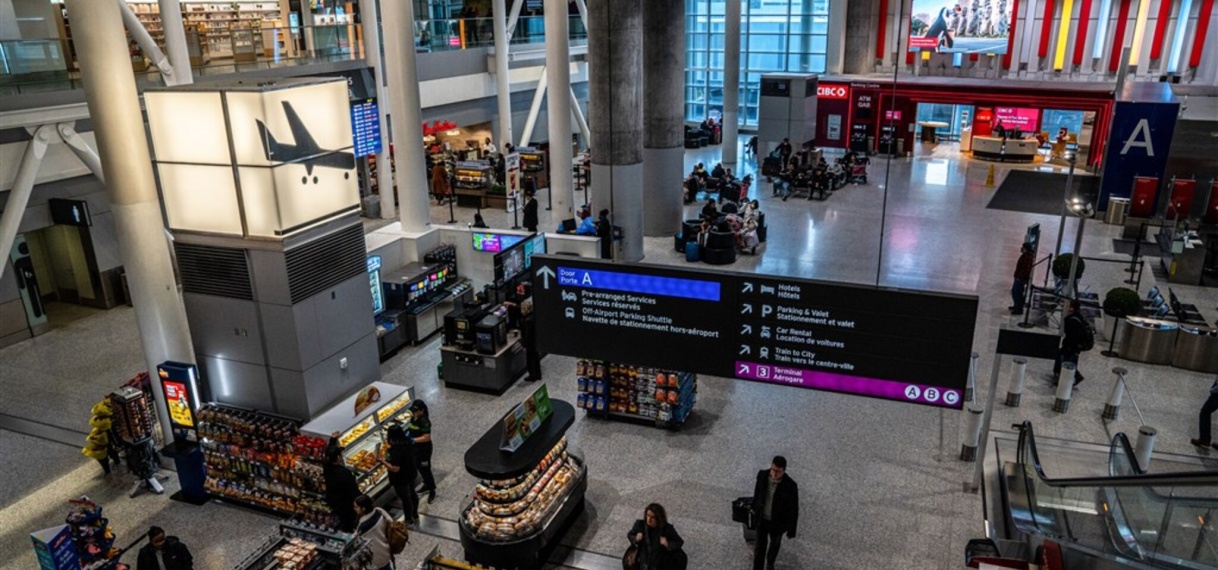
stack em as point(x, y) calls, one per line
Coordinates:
point(99, 444)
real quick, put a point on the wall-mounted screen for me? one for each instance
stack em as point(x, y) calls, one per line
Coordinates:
point(951, 26)
point(1022, 118)
point(374, 281)
point(495, 243)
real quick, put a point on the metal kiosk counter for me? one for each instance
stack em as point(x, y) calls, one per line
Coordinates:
point(1196, 349)
point(492, 373)
point(1148, 340)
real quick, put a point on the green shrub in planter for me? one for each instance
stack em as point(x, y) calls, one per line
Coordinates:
point(497, 190)
point(1122, 302)
point(1061, 266)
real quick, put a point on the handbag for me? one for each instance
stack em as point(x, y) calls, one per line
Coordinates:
point(630, 560)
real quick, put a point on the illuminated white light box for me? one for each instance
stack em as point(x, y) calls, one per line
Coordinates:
point(254, 160)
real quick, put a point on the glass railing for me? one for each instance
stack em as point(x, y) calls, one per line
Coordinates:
point(41, 65)
point(1165, 520)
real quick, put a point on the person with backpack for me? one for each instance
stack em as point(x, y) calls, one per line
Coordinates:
point(386, 537)
point(1079, 338)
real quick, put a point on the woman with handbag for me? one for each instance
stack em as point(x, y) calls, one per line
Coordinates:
point(373, 525)
point(654, 543)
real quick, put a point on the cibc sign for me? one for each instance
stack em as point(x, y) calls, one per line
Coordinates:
point(832, 91)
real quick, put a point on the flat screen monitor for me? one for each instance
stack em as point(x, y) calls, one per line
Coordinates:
point(1023, 119)
point(374, 281)
point(535, 245)
point(495, 243)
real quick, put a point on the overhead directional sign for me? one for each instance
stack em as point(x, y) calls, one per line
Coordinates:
point(895, 344)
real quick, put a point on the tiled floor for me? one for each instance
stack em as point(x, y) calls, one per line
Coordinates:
point(875, 490)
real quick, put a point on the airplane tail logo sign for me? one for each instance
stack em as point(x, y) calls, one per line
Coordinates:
point(306, 151)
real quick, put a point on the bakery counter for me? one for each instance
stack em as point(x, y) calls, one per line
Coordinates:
point(1005, 150)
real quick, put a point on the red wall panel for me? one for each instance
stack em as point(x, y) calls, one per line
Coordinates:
point(1203, 26)
point(1046, 28)
point(1118, 38)
point(1080, 36)
point(1156, 49)
point(1006, 57)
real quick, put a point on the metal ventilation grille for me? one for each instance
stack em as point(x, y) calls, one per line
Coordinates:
point(219, 271)
point(324, 263)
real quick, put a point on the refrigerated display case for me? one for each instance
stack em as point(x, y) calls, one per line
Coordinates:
point(306, 546)
point(471, 181)
point(361, 434)
point(534, 164)
point(524, 500)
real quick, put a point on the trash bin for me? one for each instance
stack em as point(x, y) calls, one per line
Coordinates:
point(1118, 208)
point(372, 206)
point(870, 144)
point(901, 147)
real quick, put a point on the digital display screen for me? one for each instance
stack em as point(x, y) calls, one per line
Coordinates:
point(535, 245)
point(374, 281)
point(951, 26)
point(366, 127)
point(835, 337)
point(1022, 118)
point(495, 243)
point(177, 399)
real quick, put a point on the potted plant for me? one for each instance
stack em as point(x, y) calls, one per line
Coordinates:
point(1061, 267)
point(1119, 303)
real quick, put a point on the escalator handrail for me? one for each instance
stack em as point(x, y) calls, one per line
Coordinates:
point(1143, 479)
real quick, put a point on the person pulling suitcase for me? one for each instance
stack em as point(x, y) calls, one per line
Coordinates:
point(776, 510)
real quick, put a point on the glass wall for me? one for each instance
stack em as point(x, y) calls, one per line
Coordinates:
point(775, 36)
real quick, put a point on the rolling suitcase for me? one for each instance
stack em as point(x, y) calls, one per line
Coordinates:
point(742, 512)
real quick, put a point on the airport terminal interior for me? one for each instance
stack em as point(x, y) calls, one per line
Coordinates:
point(930, 142)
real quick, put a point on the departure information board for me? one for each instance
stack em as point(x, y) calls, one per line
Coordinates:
point(366, 127)
point(909, 346)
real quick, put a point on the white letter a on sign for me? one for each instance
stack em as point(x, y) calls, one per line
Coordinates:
point(1140, 138)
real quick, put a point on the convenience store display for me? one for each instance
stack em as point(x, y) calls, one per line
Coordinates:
point(300, 545)
point(524, 499)
point(636, 392)
point(135, 426)
point(361, 436)
point(92, 536)
point(263, 460)
point(437, 561)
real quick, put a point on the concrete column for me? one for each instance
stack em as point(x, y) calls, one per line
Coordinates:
point(615, 103)
point(731, 83)
point(406, 116)
point(858, 36)
point(663, 115)
point(175, 41)
point(503, 82)
point(118, 125)
point(558, 107)
point(370, 18)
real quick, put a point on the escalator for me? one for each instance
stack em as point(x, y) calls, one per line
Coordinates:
point(1126, 517)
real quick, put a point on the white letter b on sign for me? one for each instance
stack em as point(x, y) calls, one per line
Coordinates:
point(1140, 138)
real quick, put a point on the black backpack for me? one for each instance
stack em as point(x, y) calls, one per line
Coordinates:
point(1086, 340)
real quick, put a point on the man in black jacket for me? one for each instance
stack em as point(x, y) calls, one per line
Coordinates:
point(776, 506)
point(1072, 342)
point(164, 553)
point(530, 211)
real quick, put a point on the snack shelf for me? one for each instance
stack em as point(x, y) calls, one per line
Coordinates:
point(636, 393)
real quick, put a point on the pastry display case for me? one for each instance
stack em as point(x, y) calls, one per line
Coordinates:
point(471, 181)
point(360, 421)
point(534, 164)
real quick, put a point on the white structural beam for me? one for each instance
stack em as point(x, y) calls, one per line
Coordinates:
point(371, 23)
point(513, 18)
point(23, 187)
point(136, 28)
point(558, 72)
point(534, 109)
point(578, 113)
point(175, 41)
point(81, 149)
point(405, 116)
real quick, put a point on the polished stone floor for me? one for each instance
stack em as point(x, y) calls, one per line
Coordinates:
point(879, 488)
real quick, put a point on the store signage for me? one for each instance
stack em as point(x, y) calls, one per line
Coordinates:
point(1022, 118)
point(891, 115)
point(512, 168)
point(70, 212)
point(832, 91)
point(949, 26)
point(1138, 145)
point(525, 419)
point(55, 549)
point(366, 127)
point(365, 398)
point(374, 281)
point(864, 102)
point(179, 385)
point(825, 336)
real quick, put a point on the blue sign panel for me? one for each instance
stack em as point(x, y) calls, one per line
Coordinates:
point(1137, 146)
point(635, 283)
point(55, 549)
point(366, 127)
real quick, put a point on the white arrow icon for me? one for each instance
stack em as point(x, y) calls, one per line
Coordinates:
point(746, 349)
point(744, 369)
point(747, 309)
point(748, 287)
point(746, 329)
point(546, 274)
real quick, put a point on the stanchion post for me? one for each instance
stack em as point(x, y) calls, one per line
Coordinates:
point(1015, 392)
point(1113, 408)
point(1065, 386)
point(1145, 446)
point(975, 484)
point(968, 450)
point(970, 390)
point(1116, 322)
